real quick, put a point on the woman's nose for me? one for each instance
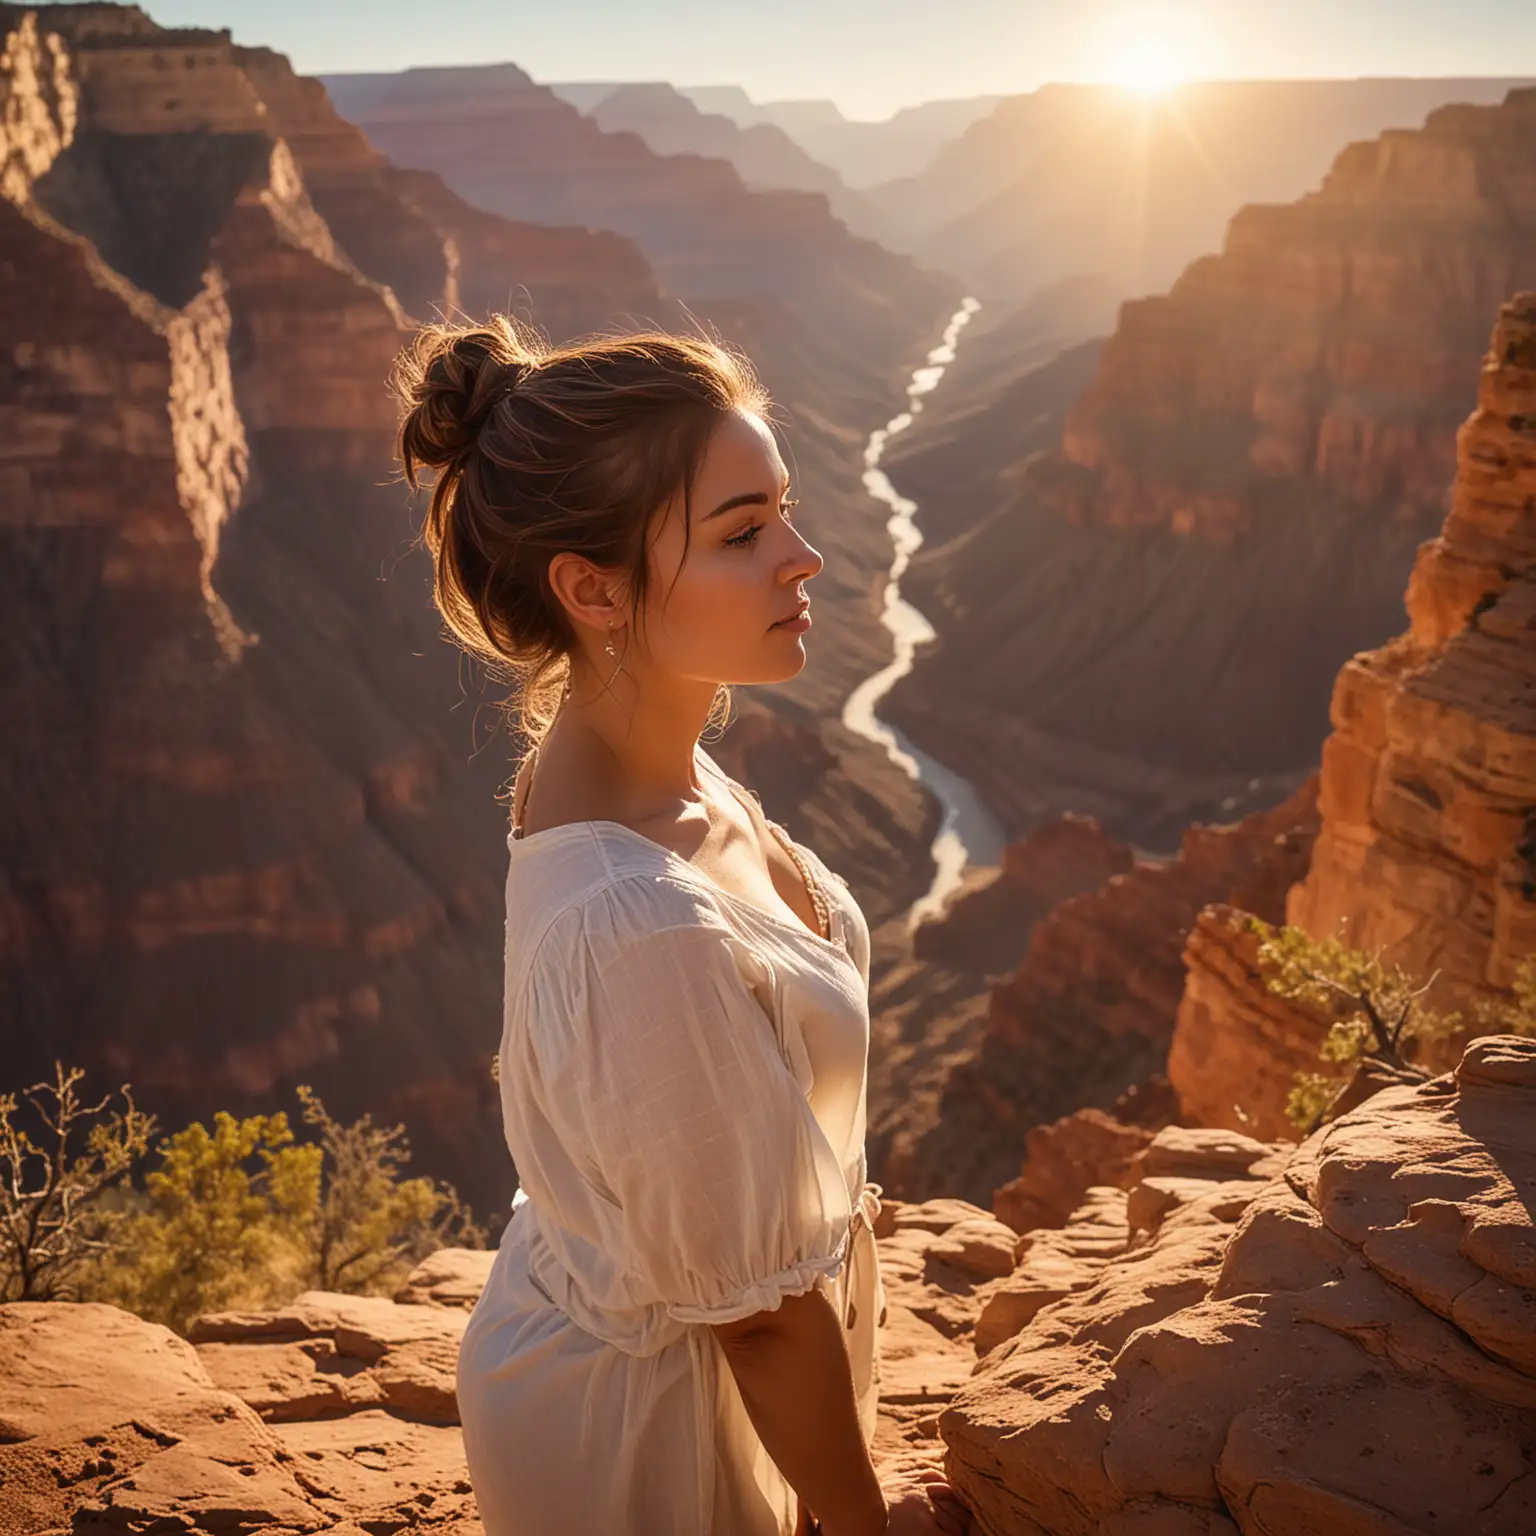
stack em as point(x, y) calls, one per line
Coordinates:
point(806, 560)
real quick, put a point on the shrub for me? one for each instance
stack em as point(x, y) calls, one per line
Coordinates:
point(217, 1223)
point(55, 1219)
point(247, 1216)
point(1373, 1011)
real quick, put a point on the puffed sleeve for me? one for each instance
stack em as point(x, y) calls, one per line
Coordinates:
point(664, 1069)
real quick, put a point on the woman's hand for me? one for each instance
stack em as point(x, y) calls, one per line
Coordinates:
point(922, 1503)
point(919, 1502)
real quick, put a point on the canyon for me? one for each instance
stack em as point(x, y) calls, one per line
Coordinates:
point(252, 834)
point(1142, 620)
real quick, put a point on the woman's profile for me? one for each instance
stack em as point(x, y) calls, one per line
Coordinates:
point(678, 1335)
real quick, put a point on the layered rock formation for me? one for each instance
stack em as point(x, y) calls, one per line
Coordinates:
point(1155, 611)
point(1086, 1018)
point(1344, 1344)
point(672, 124)
point(513, 147)
point(1428, 843)
point(1428, 780)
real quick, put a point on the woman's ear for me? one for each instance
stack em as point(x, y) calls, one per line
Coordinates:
point(590, 595)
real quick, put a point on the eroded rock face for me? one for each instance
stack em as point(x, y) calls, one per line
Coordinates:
point(1088, 1015)
point(1425, 851)
point(333, 1413)
point(1428, 843)
point(1338, 1339)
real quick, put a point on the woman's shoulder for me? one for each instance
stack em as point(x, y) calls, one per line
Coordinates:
point(599, 886)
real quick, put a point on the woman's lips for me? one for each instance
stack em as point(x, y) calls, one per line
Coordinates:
point(797, 623)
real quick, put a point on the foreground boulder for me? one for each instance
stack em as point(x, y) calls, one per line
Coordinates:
point(1356, 1355)
point(334, 1413)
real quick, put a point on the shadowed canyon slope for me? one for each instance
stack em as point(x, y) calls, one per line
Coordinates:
point(1144, 623)
point(251, 835)
point(1081, 180)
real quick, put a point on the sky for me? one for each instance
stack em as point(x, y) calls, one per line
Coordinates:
point(874, 56)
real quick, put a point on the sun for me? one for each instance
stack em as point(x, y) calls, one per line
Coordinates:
point(1148, 65)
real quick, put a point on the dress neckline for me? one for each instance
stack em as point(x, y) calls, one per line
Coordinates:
point(517, 838)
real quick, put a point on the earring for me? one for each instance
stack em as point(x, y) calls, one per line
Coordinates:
point(609, 647)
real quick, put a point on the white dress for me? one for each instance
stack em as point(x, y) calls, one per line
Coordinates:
point(683, 1092)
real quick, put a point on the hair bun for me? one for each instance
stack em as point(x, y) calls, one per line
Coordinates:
point(451, 379)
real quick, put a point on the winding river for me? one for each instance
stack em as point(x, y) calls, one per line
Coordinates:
point(968, 833)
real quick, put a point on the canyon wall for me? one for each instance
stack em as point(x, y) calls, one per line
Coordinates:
point(763, 154)
point(1145, 623)
point(1428, 786)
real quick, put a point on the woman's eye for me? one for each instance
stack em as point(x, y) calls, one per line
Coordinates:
point(748, 536)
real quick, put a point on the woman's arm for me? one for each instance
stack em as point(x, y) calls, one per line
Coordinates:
point(792, 1369)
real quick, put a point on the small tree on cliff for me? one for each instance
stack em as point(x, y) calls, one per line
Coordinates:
point(1375, 1013)
point(53, 1218)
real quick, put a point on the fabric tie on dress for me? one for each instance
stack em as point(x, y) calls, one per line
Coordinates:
point(865, 1210)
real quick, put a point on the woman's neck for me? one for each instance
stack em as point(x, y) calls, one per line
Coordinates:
point(632, 748)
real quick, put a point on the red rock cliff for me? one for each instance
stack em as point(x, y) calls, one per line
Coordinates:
point(247, 841)
point(1427, 850)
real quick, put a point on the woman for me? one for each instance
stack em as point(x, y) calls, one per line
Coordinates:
point(678, 1334)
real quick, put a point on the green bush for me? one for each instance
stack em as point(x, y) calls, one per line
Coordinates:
point(240, 1215)
point(1373, 1011)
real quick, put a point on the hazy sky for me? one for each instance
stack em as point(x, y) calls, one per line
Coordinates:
point(872, 56)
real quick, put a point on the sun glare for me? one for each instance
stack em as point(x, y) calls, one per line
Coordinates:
point(1148, 65)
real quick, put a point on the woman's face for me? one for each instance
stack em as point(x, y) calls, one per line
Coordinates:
point(714, 615)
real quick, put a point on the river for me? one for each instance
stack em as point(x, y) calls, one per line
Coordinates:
point(968, 833)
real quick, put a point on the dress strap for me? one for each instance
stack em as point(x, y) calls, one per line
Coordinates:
point(524, 782)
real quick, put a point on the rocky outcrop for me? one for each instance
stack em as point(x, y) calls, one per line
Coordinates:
point(1335, 1340)
point(1237, 1047)
point(1425, 849)
point(339, 1412)
point(1262, 451)
point(332, 1413)
point(1086, 1018)
point(1085, 1150)
point(1428, 842)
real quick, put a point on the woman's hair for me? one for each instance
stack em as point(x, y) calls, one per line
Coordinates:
point(540, 449)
